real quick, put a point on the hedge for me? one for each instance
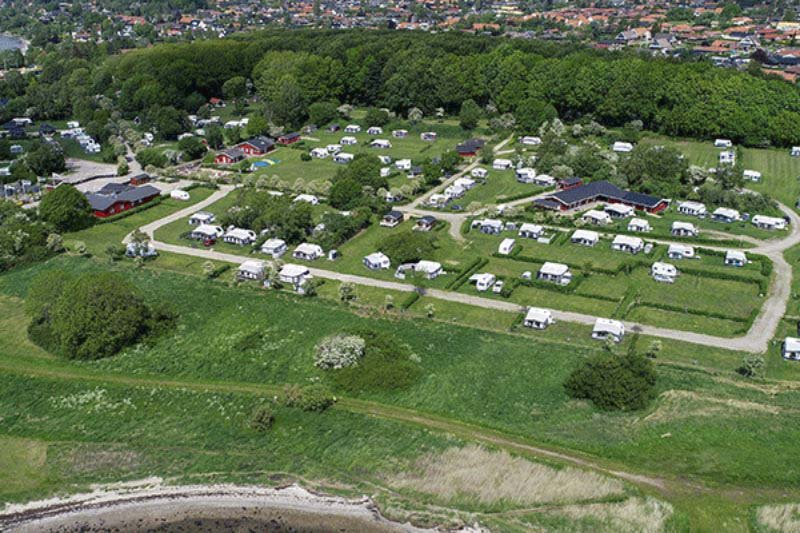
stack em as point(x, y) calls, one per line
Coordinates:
point(410, 300)
point(467, 271)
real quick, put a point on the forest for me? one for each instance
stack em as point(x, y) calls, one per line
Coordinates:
point(291, 70)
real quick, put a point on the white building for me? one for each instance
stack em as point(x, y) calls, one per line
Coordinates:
point(525, 175)
point(607, 328)
point(320, 153)
point(479, 173)
point(585, 237)
point(308, 252)
point(506, 246)
point(598, 218)
point(726, 215)
point(664, 272)
point(502, 164)
point(626, 243)
point(790, 349)
point(403, 164)
point(239, 236)
point(179, 194)
point(555, 272)
point(694, 209)
point(538, 318)
point(333, 148)
point(428, 136)
point(723, 143)
point(752, 175)
point(274, 247)
point(530, 231)
point(735, 258)
point(308, 198)
point(294, 274)
point(680, 251)
point(206, 231)
point(201, 217)
point(727, 157)
point(343, 158)
point(429, 269)
point(619, 210)
point(639, 225)
point(375, 130)
point(348, 141)
point(543, 180)
point(252, 269)
point(683, 229)
point(377, 261)
point(529, 140)
point(380, 143)
point(352, 128)
point(483, 282)
point(771, 223)
point(622, 147)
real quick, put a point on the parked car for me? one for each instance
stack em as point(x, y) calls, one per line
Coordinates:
point(209, 242)
point(498, 287)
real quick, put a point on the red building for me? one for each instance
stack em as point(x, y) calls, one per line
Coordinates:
point(229, 157)
point(289, 138)
point(115, 198)
point(256, 146)
point(141, 179)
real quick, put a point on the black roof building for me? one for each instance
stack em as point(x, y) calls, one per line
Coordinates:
point(601, 191)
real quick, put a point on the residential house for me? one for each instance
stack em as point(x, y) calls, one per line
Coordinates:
point(770, 223)
point(377, 261)
point(606, 328)
point(289, 138)
point(470, 147)
point(626, 243)
point(683, 229)
point(308, 252)
point(506, 246)
point(664, 272)
point(201, 217)
point(725, 215)
point(483, 282)
point(555, 272)
point(694, 209)
point(735, 258)
point(252, 269)
point(229, 156)
point(680, 251)
point(575, 196)
point(639, 225)
point(115, 198)
point(425, 223)
point(530, 231)
point(585, 237)
point(569, 183)
point(256, 146)
point(790, 348)
point(538, 318)
point(274, 247)
point(239, 236)
point(392, 219)
point(597, 218)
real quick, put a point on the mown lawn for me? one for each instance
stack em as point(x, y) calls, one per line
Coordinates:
point(509, 382)
point(500, 185)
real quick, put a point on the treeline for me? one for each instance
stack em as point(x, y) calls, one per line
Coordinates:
point(525, 80)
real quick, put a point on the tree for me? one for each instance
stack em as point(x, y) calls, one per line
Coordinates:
point(614, 382)
point(346, 291)
point(192, 148)
point(257, 125)
point(214, 137)
point(152, 156)
point(235, 90)
point(94, 315)
point(45, 159)
point(376, 117)
point(322, 113)
point(407, 246)
point(262, 418)
point(167, 122)
point(469, 115)
point(66, 208)
point(532, 113)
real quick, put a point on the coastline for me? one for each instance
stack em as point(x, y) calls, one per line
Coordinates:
point(150, 505)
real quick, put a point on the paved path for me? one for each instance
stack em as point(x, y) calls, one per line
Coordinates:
point(756, 340)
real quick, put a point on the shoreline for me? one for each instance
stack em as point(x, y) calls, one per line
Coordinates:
point(150, 505)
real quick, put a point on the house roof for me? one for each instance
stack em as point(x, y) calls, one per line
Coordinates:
point(554, 269)
point(664, 269)
point(604, 189)
point(791, 344)
point(585, 235)
point(606, 325)
point(735, 255)
point(114, 193)
point(428, 267)
point(293, 271)
point(260, 142)
point(537, 314)
point(377, 258)
point(394, 215)
point(627, 240)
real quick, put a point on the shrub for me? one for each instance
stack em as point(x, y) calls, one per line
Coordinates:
point(262, 418)
point(752, 365)
point(339, 351)
point(315, 397)
point(386, 365)
point(407, 246)
point(614, 382)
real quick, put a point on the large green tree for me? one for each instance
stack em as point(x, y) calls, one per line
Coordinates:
point(66, 208)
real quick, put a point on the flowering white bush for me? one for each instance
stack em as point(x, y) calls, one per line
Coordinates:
point(339, 351)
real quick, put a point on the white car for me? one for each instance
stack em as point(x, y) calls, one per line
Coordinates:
point(497, 288)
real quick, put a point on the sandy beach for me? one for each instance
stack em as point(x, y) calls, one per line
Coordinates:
point(148, 505)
